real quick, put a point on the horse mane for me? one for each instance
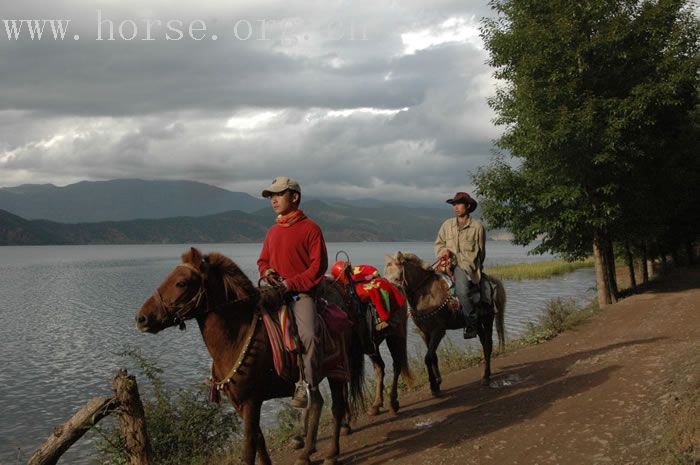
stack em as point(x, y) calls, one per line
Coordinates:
point(236, 283)
point(408, 257)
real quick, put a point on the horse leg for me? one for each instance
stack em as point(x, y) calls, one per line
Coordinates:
point(338, 409)
point(251, 427)
point(485, 331)
point(313, 416)
point(297, 441)
point(431, 360)
point(378, 383)
point(397, 348)
point(263, 455)
point(345, 428)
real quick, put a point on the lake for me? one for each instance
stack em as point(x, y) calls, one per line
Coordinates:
point(65, 311)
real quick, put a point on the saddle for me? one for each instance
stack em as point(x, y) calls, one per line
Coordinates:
point(333, 322)
point(488, 291)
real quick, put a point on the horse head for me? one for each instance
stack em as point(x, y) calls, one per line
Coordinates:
point(405, 270)
point(190, 292)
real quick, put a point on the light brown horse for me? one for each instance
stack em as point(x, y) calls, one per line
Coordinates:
point(213, 290)
point(428, 297)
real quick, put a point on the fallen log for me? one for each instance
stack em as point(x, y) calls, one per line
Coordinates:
point(126, 404)
point(66, 434)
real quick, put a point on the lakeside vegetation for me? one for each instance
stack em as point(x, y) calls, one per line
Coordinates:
point(537, 270)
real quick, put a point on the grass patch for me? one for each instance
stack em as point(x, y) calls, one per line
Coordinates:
point(558, 316)
point(537, 270)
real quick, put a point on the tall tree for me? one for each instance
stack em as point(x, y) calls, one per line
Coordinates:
point(589, 90)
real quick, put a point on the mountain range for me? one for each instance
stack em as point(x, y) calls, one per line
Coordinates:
point(137, 211)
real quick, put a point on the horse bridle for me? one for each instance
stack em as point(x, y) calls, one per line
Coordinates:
point(191, 308)
point(185, 310)
point(404, 283)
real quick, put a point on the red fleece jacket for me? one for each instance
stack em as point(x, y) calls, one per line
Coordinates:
point(298, 253)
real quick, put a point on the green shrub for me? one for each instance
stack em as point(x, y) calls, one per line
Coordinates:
point(184, 427)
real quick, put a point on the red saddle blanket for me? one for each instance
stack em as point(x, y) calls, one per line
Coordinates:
point(385, 297)
point(332, 324)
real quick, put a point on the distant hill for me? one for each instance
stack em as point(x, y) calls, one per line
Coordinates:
point(18, 231)
point(122, 199)
point(339, 223)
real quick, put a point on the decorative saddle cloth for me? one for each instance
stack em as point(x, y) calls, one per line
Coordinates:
point(370, 287)
point(332, 324)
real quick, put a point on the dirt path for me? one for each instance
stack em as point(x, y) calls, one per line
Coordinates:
point(610, 391)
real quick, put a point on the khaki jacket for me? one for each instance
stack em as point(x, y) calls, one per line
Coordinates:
point(467, 243)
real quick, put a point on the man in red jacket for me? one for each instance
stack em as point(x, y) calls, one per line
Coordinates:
point(294, 254)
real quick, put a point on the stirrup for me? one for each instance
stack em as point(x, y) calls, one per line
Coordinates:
point(300, 399)
point(381, 326)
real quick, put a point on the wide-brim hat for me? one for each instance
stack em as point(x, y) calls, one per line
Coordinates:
point(466, 199)
point(281, 184)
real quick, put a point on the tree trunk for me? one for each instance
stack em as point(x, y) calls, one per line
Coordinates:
point(664, 261)
point(131, 419)
point(66, 434)
point(610, 271)
point(647, 265)
point(675, 257)
point(691, 253)
point(630, 266)
point(601, 282)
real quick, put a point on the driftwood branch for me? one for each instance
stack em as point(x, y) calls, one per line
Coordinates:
point(126, 404)
point(66, 434)
point(132, 419)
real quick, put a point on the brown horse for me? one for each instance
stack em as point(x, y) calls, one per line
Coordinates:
point(428, 297)
point(213, 290)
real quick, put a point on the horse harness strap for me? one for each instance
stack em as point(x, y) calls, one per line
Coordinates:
point(423, 316)
point(221, 385)
point(427, 315)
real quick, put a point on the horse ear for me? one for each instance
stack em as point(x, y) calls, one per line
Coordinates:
point(204, 264)
point(399, 256)
point(388, 259)
point(193, 257)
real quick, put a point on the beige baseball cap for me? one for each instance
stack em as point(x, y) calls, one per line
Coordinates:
point(281, 184)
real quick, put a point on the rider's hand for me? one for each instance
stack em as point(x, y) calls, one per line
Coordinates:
point(446, 254)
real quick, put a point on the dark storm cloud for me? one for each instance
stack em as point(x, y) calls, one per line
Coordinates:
point(372, 116)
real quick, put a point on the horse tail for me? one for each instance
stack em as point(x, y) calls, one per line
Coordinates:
point(405, 366)
point(356, 357)
point(500, 312)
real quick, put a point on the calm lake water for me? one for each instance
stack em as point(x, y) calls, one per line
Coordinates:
point(65, 311)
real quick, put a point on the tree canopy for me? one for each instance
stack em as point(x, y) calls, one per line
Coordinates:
point(599, 104)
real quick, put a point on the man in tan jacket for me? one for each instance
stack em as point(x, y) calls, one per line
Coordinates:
point(462, 240)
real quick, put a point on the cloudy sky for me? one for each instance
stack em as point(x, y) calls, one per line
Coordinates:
point(383, 99)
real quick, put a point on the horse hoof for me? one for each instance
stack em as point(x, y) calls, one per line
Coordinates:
point(435, 392)
point(296, 442)
point(373, 410)
point(345, 430)
point(394, 408)
point(485, 382)
point(332, 461)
